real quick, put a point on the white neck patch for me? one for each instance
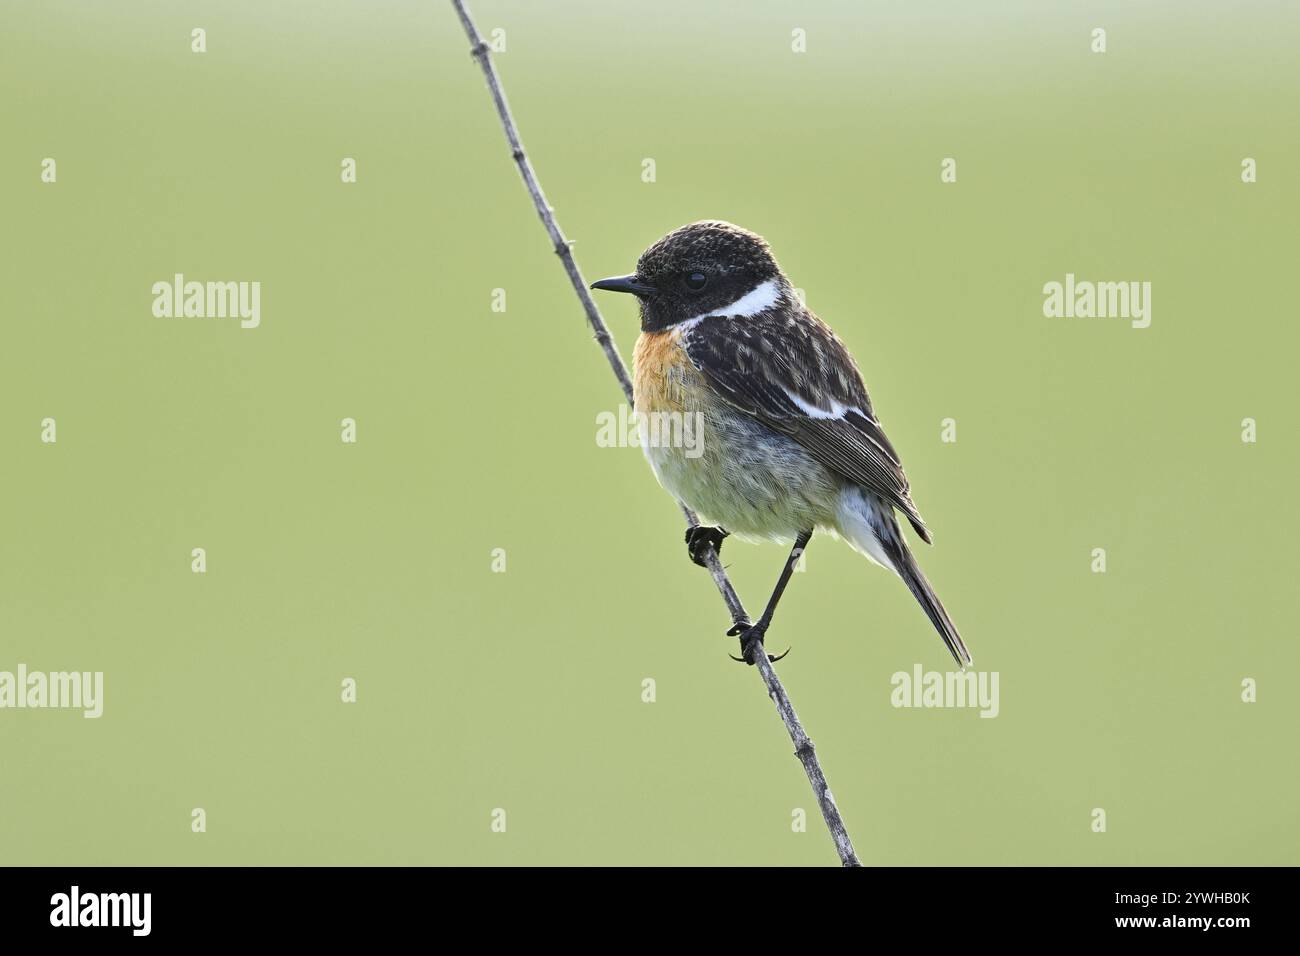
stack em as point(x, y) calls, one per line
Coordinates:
point(758, 299)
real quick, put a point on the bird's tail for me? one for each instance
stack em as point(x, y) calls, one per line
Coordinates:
point(916, 582)
point(868, 523)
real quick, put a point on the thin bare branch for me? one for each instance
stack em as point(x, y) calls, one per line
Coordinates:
point(803, 747)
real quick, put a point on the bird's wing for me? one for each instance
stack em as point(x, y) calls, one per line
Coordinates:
point(792, 373)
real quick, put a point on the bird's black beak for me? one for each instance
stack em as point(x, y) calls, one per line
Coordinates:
point(624, 284)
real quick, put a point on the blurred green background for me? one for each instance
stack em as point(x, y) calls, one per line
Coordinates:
point(522, 690)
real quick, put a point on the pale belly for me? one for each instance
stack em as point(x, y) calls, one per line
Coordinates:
point(732, 470)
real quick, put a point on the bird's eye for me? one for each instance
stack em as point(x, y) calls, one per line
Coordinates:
point(695, 281)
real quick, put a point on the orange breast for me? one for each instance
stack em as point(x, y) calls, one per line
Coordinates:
point(659, 367)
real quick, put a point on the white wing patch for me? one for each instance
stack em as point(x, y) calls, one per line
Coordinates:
point(812, 411)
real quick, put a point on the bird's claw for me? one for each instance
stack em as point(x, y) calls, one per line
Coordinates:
point(700, 538)
point(751, 637)
point(772, 658)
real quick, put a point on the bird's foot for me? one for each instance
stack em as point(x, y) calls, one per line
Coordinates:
point(751, 643)
point(700, 538)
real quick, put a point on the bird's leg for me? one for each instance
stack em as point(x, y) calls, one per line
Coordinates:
point(751, 635)
point(699, 539)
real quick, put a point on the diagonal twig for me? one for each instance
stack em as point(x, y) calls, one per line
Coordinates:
point(803, 747)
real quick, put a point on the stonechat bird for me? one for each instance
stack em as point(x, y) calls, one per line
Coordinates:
point(790, 441)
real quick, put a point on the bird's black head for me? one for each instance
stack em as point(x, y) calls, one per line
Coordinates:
point(701, 269)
